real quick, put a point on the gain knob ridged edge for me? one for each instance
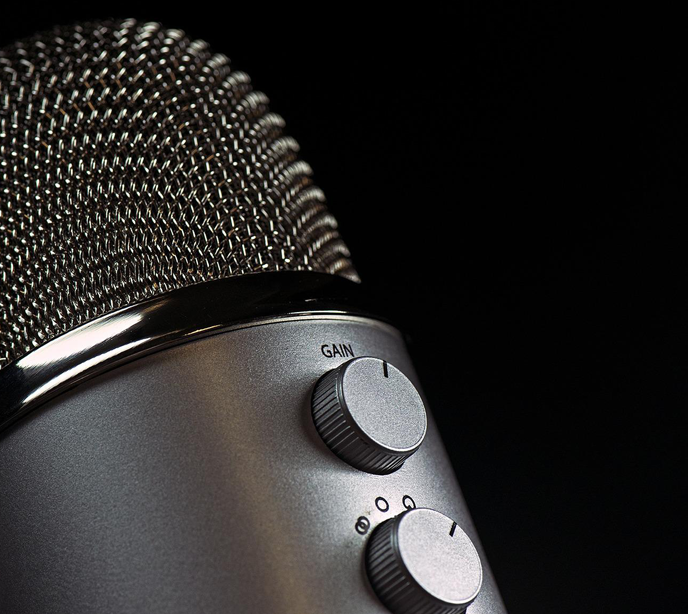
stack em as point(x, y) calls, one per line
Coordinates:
point(369, 414)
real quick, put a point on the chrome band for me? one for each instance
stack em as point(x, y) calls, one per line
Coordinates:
point(175, 318)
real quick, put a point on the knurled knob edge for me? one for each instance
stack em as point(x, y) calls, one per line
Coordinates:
point(342, 437)
point(392, 584)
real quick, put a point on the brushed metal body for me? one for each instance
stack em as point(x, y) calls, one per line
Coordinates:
point(193, 480)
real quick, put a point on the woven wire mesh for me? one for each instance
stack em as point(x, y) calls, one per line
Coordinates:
point(134, 161)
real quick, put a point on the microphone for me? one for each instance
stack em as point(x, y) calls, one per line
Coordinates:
point(200, 410)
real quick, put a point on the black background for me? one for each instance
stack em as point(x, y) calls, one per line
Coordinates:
point(512, 185)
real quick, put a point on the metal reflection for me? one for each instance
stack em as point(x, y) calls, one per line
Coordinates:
point(177, 317)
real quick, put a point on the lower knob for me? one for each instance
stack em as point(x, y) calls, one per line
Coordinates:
point(421, 562)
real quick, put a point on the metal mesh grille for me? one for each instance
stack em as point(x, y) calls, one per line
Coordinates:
point(134, 161)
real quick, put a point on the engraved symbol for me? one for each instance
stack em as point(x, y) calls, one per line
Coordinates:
point(384, 368)
point(451, 533)
point(408, 502)
point(381, 504)
point(362, 525)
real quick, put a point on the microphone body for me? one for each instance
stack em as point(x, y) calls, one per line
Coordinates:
point(194, 479)
point(211, 431)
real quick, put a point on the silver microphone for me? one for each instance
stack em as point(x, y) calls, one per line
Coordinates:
point(200, 411)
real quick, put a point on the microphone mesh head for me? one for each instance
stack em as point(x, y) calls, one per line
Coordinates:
point(134, 161)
